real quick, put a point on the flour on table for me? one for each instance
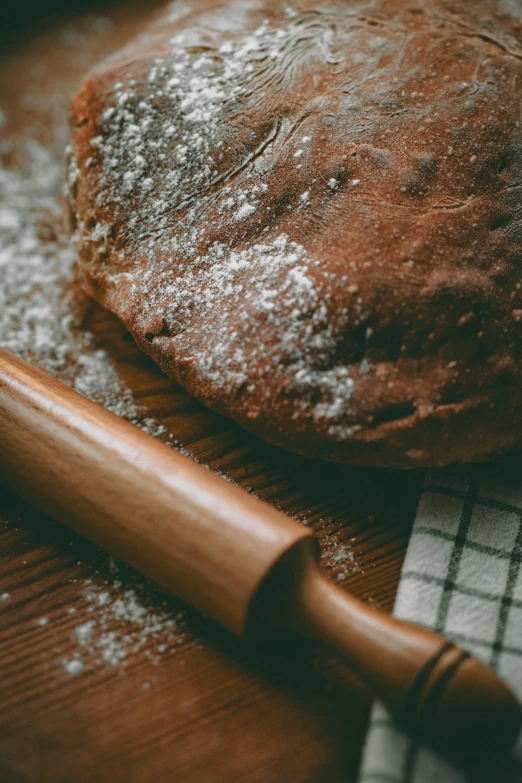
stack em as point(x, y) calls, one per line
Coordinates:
point(40, 311)
point(39, 314)
point(124, 618)
point(338, 556)
point(74, 666)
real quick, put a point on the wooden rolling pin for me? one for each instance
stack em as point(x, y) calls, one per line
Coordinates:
point(233, 557)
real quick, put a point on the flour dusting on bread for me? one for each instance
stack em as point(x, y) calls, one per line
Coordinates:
point(159, 161)
point(309, 217)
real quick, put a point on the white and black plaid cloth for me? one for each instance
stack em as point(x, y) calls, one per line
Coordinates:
point(462, 577)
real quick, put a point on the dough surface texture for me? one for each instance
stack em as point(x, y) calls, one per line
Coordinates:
point(311, 217)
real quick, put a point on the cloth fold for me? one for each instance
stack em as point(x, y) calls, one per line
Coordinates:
point(462, 577)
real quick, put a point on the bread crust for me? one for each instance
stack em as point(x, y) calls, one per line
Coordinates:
point(311, 218)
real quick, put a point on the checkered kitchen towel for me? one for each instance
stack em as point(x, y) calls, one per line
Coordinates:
point(462, 577)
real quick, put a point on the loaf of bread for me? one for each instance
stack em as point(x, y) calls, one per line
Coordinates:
point(311, 217)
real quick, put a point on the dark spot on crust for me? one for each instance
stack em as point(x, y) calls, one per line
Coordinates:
point(351, 348)
point(414, 186)
point(394, 412)
point(315, 397)
point(503, 163)
point(385, 342)
point(241, 390)
point(163, 332)
point(500, 222)
point(451, 394)
point(380, 157)
point(427, 165)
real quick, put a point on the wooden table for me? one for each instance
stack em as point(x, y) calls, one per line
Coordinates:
point(214, 709)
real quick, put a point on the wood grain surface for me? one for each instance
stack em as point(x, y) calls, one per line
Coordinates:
point(214, 708)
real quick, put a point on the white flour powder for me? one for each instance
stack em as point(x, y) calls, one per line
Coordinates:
point(40, 309)
point(194, 263)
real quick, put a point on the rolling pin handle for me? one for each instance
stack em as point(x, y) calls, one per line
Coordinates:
point(439, 693)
